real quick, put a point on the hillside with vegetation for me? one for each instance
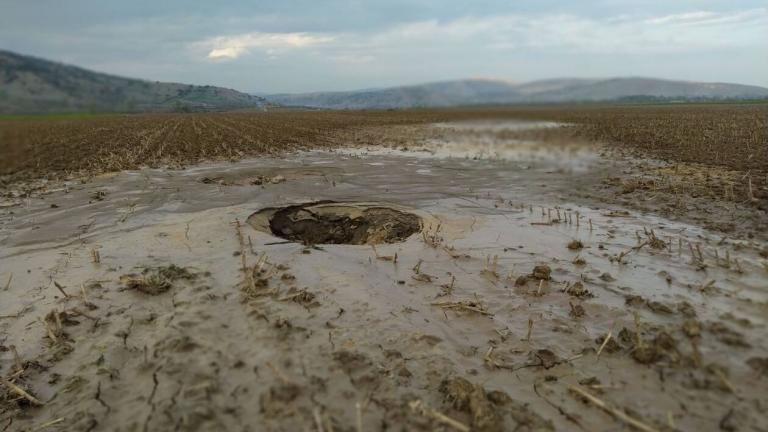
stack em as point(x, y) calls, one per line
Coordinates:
point(33, 85)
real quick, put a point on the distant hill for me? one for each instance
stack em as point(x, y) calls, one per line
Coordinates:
point(33, 85)
point(483, 91)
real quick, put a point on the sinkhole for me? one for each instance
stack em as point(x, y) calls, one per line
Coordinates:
point(329, 222)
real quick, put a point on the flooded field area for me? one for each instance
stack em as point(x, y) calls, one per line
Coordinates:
point(470, 280)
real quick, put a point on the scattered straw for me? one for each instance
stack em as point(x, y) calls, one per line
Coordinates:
point(605, 342)
point(621, 415)
point(20, 391)
point(418, 407)
point(467, 305)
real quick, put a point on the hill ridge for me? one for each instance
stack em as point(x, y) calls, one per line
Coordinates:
point(30, 84)
point(553, 90)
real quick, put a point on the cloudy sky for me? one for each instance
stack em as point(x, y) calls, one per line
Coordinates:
point(312, 45)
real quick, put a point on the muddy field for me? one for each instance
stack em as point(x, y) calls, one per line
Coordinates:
point(729, 135)
point(445, 270)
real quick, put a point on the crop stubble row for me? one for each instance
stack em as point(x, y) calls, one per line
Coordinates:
point(732, 136)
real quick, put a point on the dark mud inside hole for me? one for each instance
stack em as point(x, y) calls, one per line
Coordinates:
point(337, 223)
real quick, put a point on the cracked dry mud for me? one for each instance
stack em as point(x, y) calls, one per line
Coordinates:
point(527, 300)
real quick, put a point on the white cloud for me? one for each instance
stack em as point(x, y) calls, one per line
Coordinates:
point(625, 34)
point(231, 52)
point(500, 35)
point(232, 47)
point(681, 18)
point(711, 18)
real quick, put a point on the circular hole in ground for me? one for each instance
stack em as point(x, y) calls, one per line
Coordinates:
point(328, 222)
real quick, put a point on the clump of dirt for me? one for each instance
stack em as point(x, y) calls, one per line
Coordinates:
point(575, 245)
point(174, 273)
point(487, 409)
point(634, 300)
point(472, 398)
point(577, 310)
point(302, 297)
point(691, 328)
point(263, 180)
point(577, 290)
point(607, 277)
point(339, 223)
point(544, 358)
point(155, 281)
point(542, 272)
point(521, 281)
point(609, 344)
point(662, 346)
point(655, 242)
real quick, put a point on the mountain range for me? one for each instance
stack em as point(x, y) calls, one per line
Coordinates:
point(485, 91)
point(33, 85)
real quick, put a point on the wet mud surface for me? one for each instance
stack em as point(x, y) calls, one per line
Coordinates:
point(147, 300)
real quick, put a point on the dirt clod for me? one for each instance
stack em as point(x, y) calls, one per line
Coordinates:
point(692, 328)
point(155, 281)
point(607, 277)
point(577, 310)
point(611, 346)
point(662, 346)
point(575, 245)
point(541, 272)
point(577, 289)
point(659, 307)
point(471, 398)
